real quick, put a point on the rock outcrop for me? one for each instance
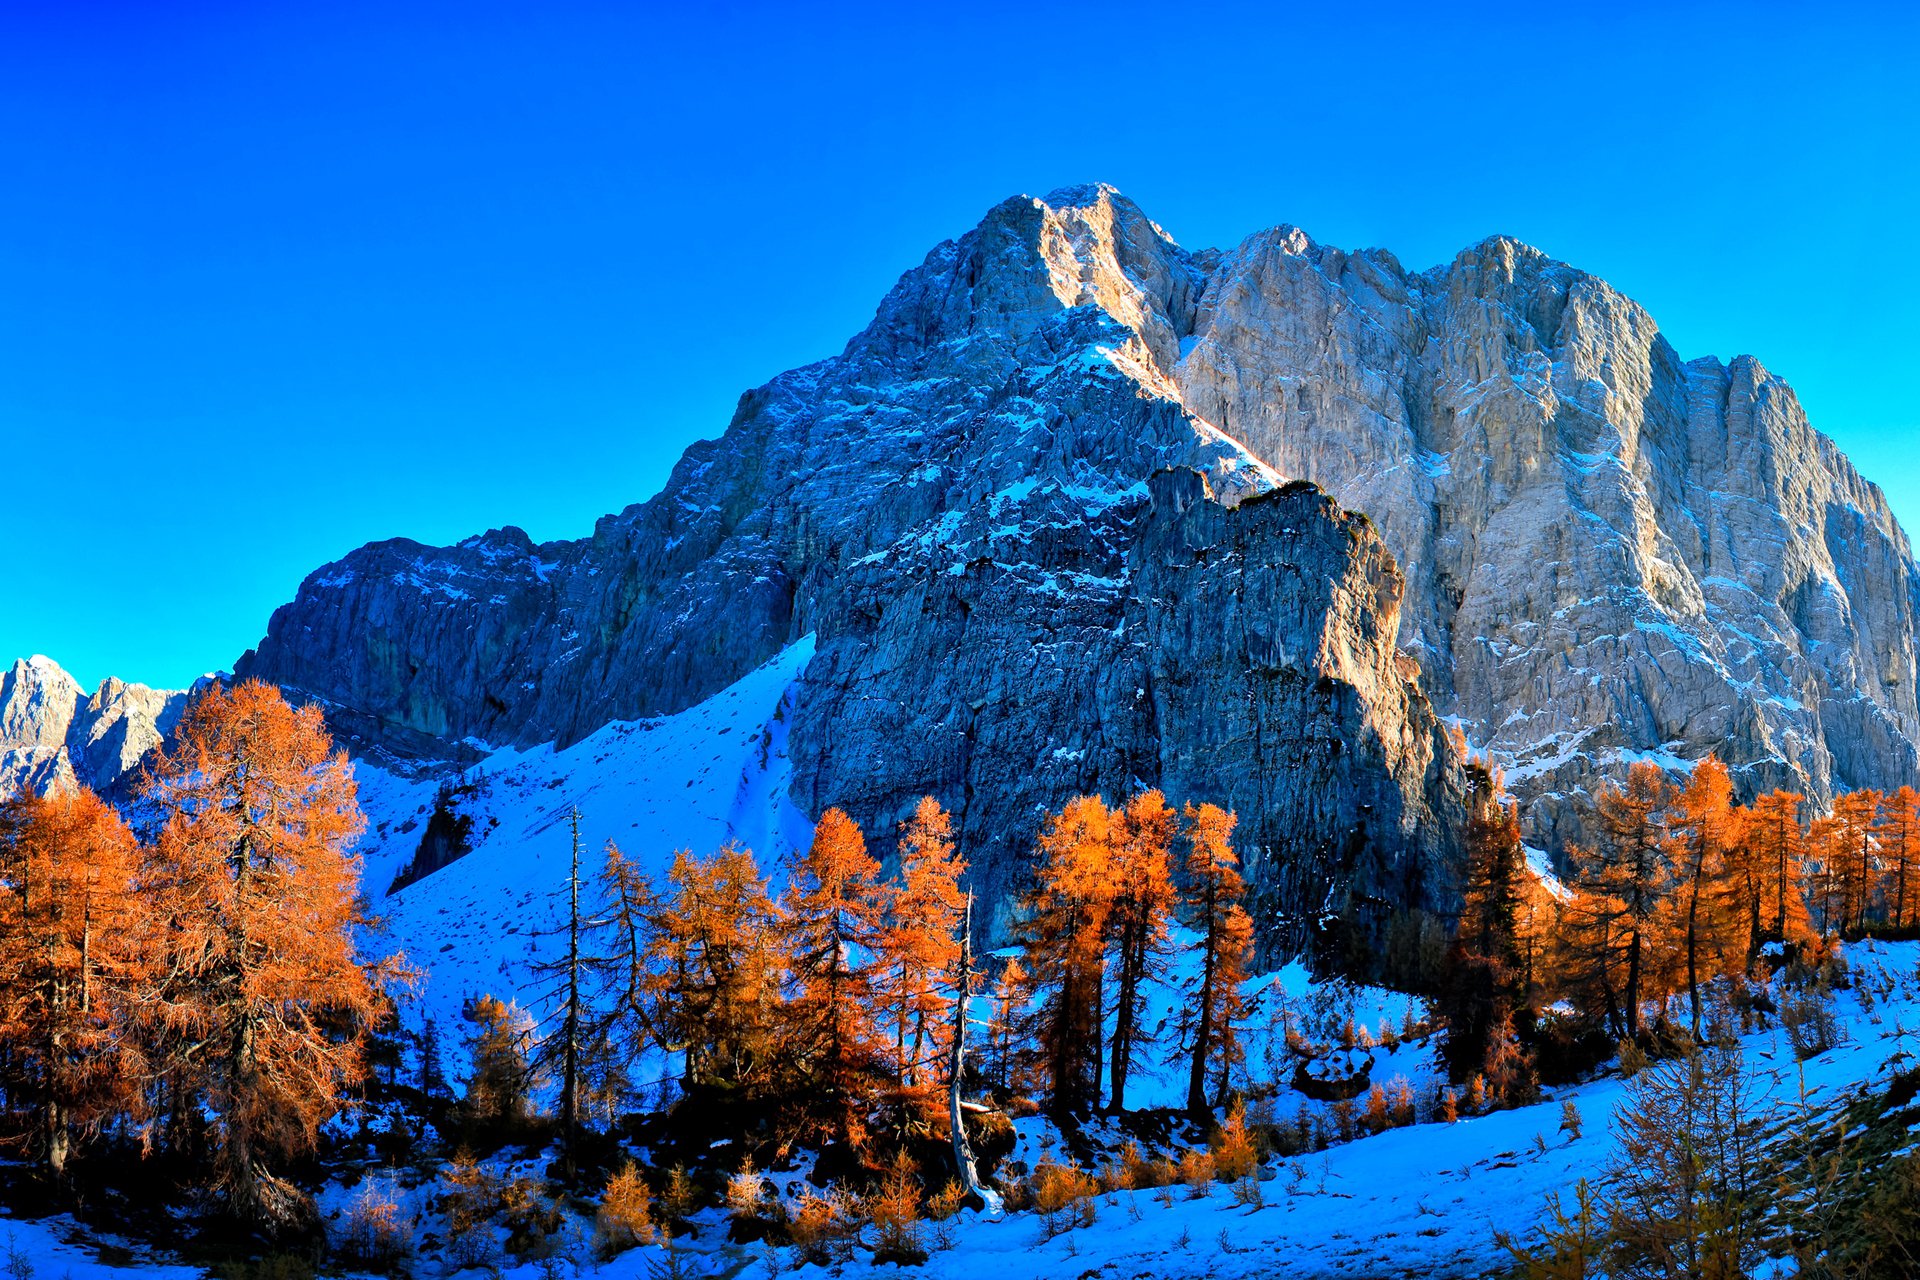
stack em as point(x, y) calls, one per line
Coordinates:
point(1242, 655)
point(53, 734)
point(1612, 554)
point(1608, 554)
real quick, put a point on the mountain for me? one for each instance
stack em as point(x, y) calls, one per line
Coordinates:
point(1027, 569)
point(53, 734)
point(1050, 524)
point(1612, 554)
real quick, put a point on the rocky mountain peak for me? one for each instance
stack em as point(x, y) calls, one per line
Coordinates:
point(53, 734)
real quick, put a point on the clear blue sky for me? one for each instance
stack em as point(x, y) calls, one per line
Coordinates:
point(276, 280)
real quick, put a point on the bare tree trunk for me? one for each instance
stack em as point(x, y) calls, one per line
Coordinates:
point(957, 1064)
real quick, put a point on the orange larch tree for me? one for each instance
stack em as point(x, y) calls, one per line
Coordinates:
point(1779, 845)
point(834, 905)
point(260, 1001)
point(1855, 849)
point(1622, 882)
point(1142, 898)
point(1064, 940)
point(1702, 831)
point(918, 939)
point(1900, 855)
point(1214, 908)
point(72, 938)
point(715, 960)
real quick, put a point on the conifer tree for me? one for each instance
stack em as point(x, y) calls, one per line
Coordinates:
point(833, 912)
point(1900, 850)
point(1622, 882)
point(1064, 937)
point(72, 933)
point(500, 1047)
point(1484, 986)
point(1010, 992)
point(1142, 899)
point(1779, 843)
point(1213, 902)
point(1855, 845)
point(625, 1005)
point(261, 999)
point(917, 941)
point(1703, 832)
point(567, 977)
point(716, 956)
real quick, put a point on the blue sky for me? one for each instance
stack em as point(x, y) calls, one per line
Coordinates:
point(279, 280)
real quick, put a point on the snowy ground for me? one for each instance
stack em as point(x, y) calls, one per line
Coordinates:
point(715, 772)
point(1424, 1200)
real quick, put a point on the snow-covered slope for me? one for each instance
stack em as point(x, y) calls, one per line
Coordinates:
point(713, 773)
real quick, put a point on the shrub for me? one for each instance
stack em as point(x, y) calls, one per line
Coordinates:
point(745, 1196)
point(679, 1198)
point(1378, 1118)
point(942, 1210)
point(894, 1211)
point(1196, 1170)
point(375, 1235)
point(824, 1227)
point(1807, 1014)
point(1399, 1102)
point(624, 1217)
point(531, 1219)
point(1234, 1153)
point(1570, 1121)
point(1064, 1197)
point(470, 1199)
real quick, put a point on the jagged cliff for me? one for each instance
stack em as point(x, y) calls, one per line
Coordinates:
point(1608, 554)
point(1611, 554)
point(958, 508)
point(54, 734)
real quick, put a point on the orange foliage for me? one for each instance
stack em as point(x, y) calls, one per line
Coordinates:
point(833, 912)
point(260, 997)
point(918, 940)
point(1213, 902)
point(1064, 937)
point(71, 937)
point(1142, 898)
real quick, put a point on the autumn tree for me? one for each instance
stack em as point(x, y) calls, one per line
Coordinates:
point(1484, 986)
point(715, 960)
point(71, 938)
point(1142, 899)
point(500, 1047)
point(917, 940)
point(1900, 854)
point(1214, 903)
point(1064, 940)
point(261, 998)
point(1703, 832)
point(833, 911)
point(1621, 883)
point(1854, 848)
point(1779, 850)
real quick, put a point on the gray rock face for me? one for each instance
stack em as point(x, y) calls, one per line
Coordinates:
point(53, 734)
point(1607, 555)
point(1612, 554)
point(1241, 655)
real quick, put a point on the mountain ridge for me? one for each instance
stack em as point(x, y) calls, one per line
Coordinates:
point(1603, 552)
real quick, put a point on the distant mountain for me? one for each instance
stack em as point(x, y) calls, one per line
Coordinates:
point(54, 734)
